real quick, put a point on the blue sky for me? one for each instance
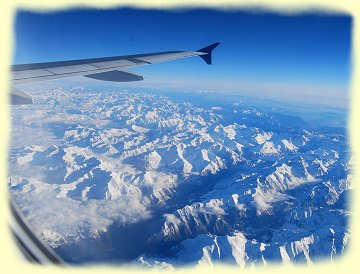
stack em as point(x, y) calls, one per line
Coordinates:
point(302, 57)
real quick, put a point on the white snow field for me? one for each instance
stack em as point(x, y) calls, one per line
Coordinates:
point(141, 178)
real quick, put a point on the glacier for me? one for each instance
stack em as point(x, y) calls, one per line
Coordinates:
point(163, 180)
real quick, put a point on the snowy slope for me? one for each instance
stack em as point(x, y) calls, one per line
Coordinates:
point(250, 187)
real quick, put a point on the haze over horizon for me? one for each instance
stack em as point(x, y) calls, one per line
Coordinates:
point(303, 57)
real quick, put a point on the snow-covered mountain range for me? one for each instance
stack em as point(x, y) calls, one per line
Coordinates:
point(227, 183)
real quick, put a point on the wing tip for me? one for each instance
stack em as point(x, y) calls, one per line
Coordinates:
point(208, 50)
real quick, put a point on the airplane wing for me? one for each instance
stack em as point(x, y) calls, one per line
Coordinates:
point(105, 69)
point(113, 69)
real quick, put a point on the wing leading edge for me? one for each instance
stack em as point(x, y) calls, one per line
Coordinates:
point(105, 69)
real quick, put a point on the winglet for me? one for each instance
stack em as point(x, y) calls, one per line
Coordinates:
point(207, 57)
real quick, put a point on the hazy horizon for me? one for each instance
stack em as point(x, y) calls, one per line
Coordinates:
point(304, 57)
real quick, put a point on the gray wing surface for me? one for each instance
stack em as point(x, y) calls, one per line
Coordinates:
point(106, 69)
point(30, 73)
